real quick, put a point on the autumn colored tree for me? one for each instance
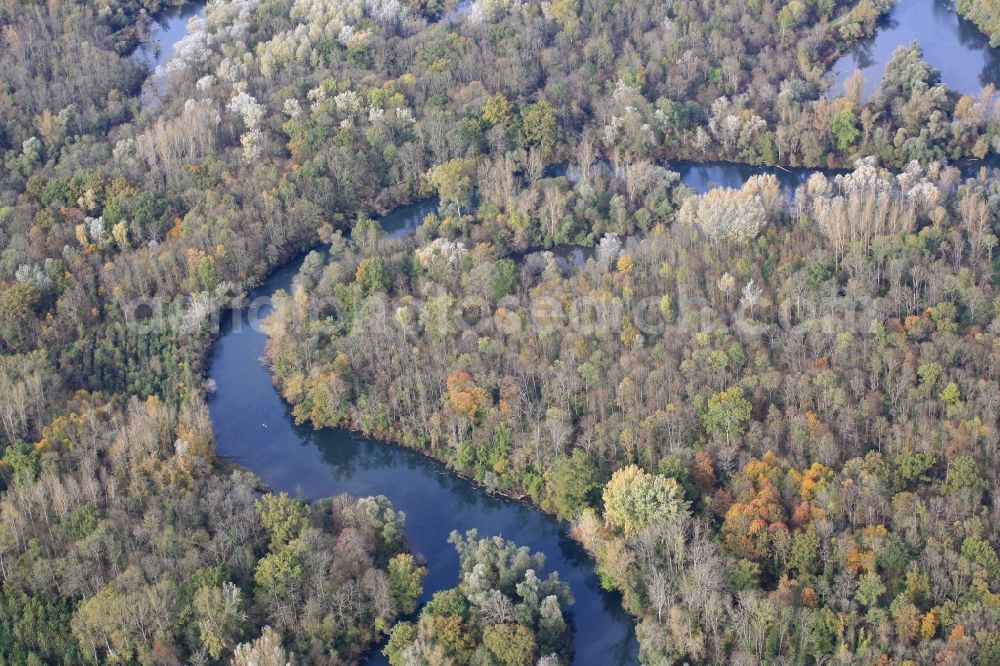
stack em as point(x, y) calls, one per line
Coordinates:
point(635, 499)
point(454, 180)
point(464, 396)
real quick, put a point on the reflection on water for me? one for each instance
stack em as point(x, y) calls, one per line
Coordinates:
point(951, 44)
point(168, 29)
point(254, 427)
point(703, 176)
point(404, 220)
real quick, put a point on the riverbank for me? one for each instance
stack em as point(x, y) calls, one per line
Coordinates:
point(688, 401)
point(254, 428)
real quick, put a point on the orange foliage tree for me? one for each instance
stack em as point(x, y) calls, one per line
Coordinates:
point(465, 396)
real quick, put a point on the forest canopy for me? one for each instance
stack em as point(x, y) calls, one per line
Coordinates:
point(770, 416)
point(748, 420)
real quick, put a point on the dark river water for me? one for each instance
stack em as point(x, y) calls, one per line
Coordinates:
point(254, 427)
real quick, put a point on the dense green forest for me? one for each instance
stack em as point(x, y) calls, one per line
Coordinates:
point(798, 351)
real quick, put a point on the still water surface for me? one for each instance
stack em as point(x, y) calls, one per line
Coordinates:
point(254, 426)
point(951, 44)
point(168, 29)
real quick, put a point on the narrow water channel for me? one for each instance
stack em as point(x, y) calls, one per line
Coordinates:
point(254, 427)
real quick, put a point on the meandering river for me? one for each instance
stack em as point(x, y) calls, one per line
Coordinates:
point(254, 427)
